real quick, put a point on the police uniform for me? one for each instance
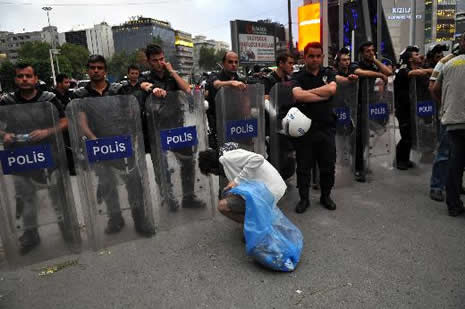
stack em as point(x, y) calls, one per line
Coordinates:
point(318, 144)
point(211, 112)
point(402, 109)
point(25, 182)
point(170, 116)
point(107, 182)
point(286, 162)
point(360, 143)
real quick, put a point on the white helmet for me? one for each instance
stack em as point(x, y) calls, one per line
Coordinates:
point(295, 123)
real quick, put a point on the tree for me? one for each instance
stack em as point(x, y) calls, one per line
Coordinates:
point(118, 64)
point(207, 60)
point(7, 73)
point(219, 55)
point(37, 54)
point(76, 57)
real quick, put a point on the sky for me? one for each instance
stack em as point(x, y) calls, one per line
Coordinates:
point(207, 17)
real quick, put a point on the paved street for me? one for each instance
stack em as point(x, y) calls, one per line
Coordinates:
point(386, 246)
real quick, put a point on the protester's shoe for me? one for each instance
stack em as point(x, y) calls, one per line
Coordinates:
point(28, 241)
point(436, 195)
point(410, 164)
point(302, 206)
point(456, 211)
point(402, 166)
point(192, 201)
point(360, 177)
point(115, 225)
point(326, 201)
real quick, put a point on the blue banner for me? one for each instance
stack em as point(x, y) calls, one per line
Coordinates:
point(178, 138)
point(238, 129)
point(343, 115)
point(378, 111)
point(26, 158)
point(425, 109)
point(109, 148)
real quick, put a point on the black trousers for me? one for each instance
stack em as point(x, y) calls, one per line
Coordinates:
point(405, 144)
point(456, 166)
point(319, 146)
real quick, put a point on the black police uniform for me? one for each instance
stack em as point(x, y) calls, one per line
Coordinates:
point(360, 143)
point(211, 112)
point(286, 162)
point(106, 189)
point(26, 203)
point(402, 110)
point(318, 144)
point(171, 116)
point(65, 98)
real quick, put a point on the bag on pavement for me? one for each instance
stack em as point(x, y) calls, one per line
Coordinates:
point(271, 239)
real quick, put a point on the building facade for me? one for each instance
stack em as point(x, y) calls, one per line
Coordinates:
point(184, 52)
point(100, 40)
point(137, 33)
point(78, 37)
point(10, 43)
point(398, 15)
point(439, 20)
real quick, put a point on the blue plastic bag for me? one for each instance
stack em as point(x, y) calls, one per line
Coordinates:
point(271, 239)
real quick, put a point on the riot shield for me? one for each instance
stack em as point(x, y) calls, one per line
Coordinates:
point(37, 206)
point(345, 108)
point(378, 126)
point(240, 117)
point(107, 142)
point(423, 118)
point(177, 126)
point(280, 150)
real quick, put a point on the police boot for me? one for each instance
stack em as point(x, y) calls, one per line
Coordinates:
point(141, 224)
point(304, 202)
point(326, 201)
point(189, 200)
point(115, 224)
point(28, 241)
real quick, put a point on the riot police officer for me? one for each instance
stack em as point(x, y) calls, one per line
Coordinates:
point(313, 89)
point(106, 191)
point(26, 198)
point(161, 79)
point(228, 76)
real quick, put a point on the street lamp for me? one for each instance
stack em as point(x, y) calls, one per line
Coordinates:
point(47, 9)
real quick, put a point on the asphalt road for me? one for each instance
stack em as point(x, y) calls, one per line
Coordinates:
point(386, 246)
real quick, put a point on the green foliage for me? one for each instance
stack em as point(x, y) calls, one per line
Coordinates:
point(7, 72)
point(74, 59)
point(119, 63)
point(208, 58)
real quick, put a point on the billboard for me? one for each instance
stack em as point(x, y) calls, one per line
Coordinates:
point(309, 24)
point(254, 42)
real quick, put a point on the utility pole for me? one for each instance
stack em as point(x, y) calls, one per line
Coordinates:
point(379, 28)
point(413, 22)
point(291, 42)
point(341, 23)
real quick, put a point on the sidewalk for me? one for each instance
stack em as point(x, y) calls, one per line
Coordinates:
point(386, 246)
